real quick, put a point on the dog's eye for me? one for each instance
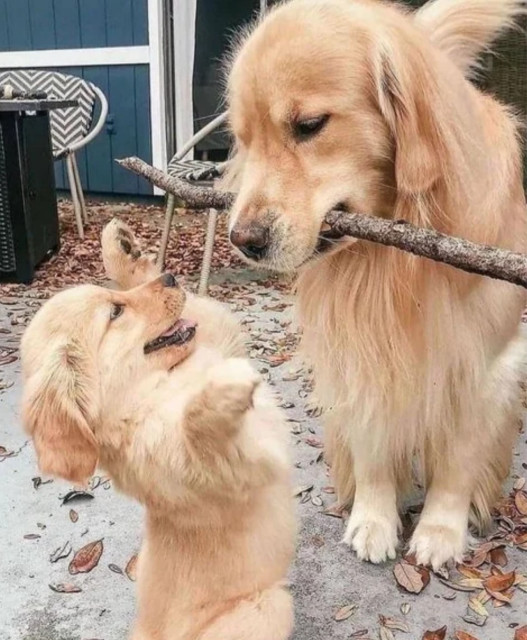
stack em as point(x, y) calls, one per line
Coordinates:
point(305, 129)
point(117, 310)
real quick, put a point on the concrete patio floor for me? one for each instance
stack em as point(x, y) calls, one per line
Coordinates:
point(326, 575)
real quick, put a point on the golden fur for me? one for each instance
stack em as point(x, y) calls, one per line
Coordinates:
point(413, 360)
point(190, 431)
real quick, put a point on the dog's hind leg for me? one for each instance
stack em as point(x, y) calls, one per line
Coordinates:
point(123, 259)
point(266, 616)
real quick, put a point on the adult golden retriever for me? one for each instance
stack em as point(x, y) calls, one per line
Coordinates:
point(182, 423)
point(362, 105)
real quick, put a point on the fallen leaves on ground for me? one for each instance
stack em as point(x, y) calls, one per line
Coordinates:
point(81, 259)
point(521, 633)
point(345, 612)
point(463, 635)
point(131, 568)
point(438, 634)
point(65, 587)
point(410, 577)
point(394, 624)
point(87, 558)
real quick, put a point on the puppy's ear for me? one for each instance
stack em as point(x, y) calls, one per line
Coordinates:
point(59, 406)
point(405, 89)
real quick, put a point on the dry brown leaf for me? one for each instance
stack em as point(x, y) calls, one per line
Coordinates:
point(86, 558)
point(335, 510)
point(477, 607)
point(115, 569)
point(405, 608)
point(393, 623)
point(519, 484)
point(313, 441)
point(499, 582)
point(520, 539)
point(470, 572)
point(473, 583)
point(499, 557)
point(410, 577)
point(131, 568)
point(386, 634)
point(298, 491)
point(521, 633)
point(505, 597)
point(65, 587)
point(520, 500)
point(345, 612)
point(463, 635)
point(455, 585)
point(483, 597)
point(438, 634)
point(74, 516)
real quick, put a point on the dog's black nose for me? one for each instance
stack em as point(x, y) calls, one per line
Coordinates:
point(168, 280)
point(252, 240)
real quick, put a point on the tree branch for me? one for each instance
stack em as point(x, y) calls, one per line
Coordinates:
point(500, 264)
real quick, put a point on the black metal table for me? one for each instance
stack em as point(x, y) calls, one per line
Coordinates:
point(29, 228)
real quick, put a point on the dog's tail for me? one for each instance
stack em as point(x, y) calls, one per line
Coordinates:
point(464, 29)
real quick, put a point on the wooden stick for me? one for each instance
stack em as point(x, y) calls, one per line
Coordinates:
point(500, 264)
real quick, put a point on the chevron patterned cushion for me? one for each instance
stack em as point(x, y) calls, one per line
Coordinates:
point(196, 170)
point(67, 125)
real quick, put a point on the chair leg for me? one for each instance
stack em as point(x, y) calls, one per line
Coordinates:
point(207, 253)
point(74, 196)
point(80, 192)
point(169, 215)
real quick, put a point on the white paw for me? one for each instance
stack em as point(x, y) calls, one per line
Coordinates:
point(372, 538)
point(435, 544)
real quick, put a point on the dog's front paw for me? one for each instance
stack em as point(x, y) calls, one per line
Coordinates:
point(374, 539)
point(122, 256)
point(438, 544)
point(233, 383)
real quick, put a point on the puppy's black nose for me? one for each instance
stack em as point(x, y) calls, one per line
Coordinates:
point(168, 280)
point(252, 240)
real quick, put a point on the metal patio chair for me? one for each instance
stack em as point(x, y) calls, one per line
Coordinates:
point(202, 172)
point(72, 128)
point(194, 171)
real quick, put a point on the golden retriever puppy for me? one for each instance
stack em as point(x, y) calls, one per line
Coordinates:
point(365, 106)
point(130, 381)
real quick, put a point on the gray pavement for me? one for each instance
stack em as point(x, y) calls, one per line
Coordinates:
point(325, 577)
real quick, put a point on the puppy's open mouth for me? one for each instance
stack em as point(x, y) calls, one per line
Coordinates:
point(178, 334)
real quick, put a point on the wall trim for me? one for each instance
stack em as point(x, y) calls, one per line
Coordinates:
point(158, 113)
point(102, 56)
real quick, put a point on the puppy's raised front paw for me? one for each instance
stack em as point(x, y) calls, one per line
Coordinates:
point(122, 256)
point(374, 539)
point(233, 383)
point(435, 545)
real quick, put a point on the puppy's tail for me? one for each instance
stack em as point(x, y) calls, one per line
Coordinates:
point(464, 29)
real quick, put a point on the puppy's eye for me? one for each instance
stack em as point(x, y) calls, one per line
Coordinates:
point(308, 128)
point(116, 311)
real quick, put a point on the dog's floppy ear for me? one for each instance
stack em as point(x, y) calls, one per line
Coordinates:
point(59, 406)
point(405, 90)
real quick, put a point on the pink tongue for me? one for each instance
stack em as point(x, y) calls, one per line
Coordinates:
point(181, 325)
